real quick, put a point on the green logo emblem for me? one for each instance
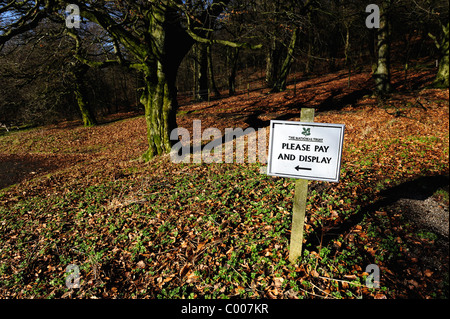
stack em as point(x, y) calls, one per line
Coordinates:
point(306, 131)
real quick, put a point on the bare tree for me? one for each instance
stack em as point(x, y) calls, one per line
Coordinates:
point(35, 82)
point(436, 13)
point(156, 36)
point(382, 74)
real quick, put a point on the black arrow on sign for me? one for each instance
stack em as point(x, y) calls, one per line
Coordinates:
point(304, 168)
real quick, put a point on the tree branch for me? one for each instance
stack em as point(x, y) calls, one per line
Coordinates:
point(118, 32)
point(436, 42)
point(26, 22)
point(79, 56)
point(218, 8)
point(222, 42)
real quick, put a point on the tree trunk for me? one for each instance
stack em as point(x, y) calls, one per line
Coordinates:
point(309, 60)
point(442, 75)
point(273, 62)
point(347, 61)
point(372, 50)
point(407, 42)
point(309, 66)
point(201, 72)
point(382, 75)
point(160, 103)
point(332, 57)
point(333, 49)
point(232, 59)
point(281, 82)
point(347, 45)
point(212, 82)
point(169, 46)
point(87, 114)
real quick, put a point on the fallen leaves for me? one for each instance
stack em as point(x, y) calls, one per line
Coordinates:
point(140, 264)
point(428, 273)
point(278, 282)
point(185, 269)
point(173, 231)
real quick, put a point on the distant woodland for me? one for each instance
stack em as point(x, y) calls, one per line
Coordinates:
point(147, 56)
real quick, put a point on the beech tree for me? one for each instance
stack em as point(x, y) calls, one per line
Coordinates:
point(151, 37)
point(200, 72)
point(52, 61)
point(382, 74)
point(157, 35)
point(436, 12)
point(78, 71)
point(442, 44)
point(37, 85)
point(287, 16)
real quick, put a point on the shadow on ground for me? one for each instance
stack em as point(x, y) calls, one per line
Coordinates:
point(15, 168)
point(420, 188)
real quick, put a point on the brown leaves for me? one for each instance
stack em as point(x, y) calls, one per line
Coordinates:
point(278, 282)
point(140, 264)
point(185, 269)
point(145, 229)
point(428, 273)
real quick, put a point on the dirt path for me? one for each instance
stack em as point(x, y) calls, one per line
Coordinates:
point(430, 213)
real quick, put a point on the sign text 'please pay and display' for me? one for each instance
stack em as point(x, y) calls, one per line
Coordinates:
point(305, 150)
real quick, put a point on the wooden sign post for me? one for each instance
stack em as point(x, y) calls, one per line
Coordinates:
point(306, 151)
point(299, 205)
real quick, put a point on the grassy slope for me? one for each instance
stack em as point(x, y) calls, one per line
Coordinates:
point(222, 230)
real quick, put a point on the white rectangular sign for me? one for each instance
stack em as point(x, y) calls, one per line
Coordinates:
point(305, 150)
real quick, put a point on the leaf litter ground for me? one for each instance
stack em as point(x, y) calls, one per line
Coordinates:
point(74, 195)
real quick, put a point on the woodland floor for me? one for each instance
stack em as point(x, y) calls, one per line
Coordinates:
point(75, 195)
